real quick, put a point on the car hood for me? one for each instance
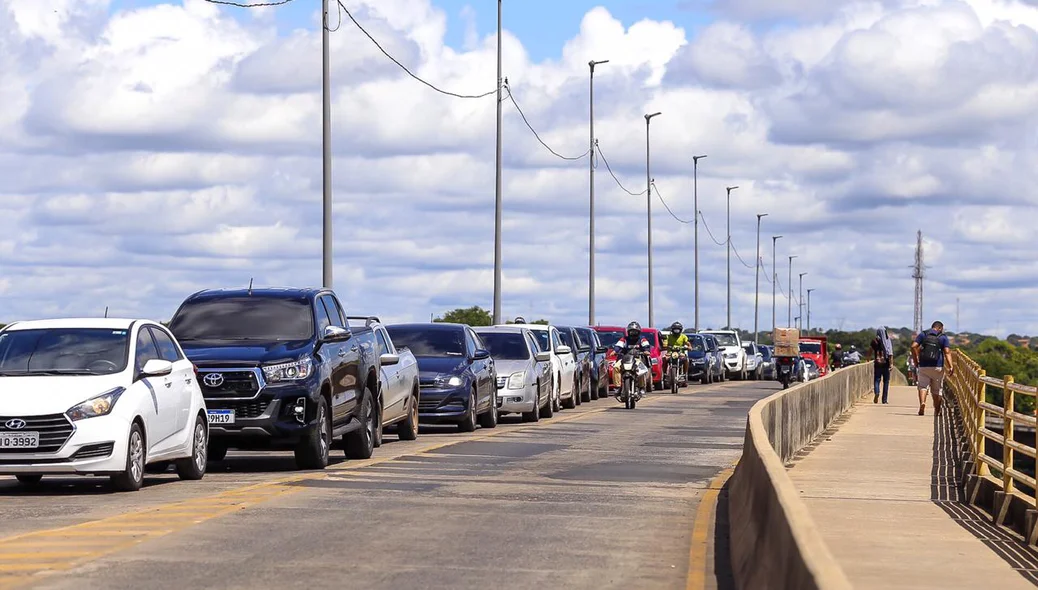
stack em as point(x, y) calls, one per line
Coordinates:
point(697, 354)
point(43, 394)
point(507, 367)
point(210, 353)
point(430, 366)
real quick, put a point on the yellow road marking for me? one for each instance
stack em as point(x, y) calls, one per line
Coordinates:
point(113, 530)
point(42, 555)
point(701, 531)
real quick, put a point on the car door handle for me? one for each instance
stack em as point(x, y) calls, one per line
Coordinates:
point(353, 348)
point(188, 381)
point(342, 351)
point(168, 384)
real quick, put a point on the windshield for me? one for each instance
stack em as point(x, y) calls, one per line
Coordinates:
point(64, 351)
point(698, 345)
point(765, 353)
point(810, 363)
point(726, 340)
point(811, 347)
point(610, 338)
point(505, 345)
point(429, 341)
point(244, 318)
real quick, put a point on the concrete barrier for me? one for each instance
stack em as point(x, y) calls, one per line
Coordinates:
point(774, 541)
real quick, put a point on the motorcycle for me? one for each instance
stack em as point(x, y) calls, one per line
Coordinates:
point(632, 371)
point(674, 377)
point(785, 370)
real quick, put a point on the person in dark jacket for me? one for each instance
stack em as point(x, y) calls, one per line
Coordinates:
point(882, 359)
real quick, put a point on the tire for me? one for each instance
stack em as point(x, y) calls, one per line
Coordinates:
point(585, 396)
point(378, 426)
point(217, 451)
point(535, 414)
point(193, 468)
point(570, 403)
point(549, 408)
point(705, 379)
point(360, 444)
point(593, 389)
point(30, 479)
point(556, 395)
point(408, 429)
point(312, 451)
point(132, 478)
point(469, 423)
point(634, 402)
point(488, 419)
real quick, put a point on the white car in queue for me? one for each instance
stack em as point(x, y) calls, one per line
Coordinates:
point(98, 397)
point(563, 365)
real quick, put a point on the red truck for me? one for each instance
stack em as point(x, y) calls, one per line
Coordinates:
point(816, 348)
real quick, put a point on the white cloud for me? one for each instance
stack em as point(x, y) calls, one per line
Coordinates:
point(149, 152)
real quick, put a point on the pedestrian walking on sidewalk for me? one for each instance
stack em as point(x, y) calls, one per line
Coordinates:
point(882, 361)
point(932, 356)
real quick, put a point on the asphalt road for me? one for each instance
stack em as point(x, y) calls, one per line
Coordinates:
point(598, 497)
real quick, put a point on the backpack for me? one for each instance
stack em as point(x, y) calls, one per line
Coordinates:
point(930, 351)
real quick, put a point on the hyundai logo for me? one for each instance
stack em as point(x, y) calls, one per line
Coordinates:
point(213, 380)
point(15, 424)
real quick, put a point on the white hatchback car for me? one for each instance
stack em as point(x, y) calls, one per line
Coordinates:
point(564, 366)
point(98, 397)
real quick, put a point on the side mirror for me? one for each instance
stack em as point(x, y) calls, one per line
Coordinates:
point(335, 333)
point(481, 354)
point(564, 349)
point(389, 359)
point(156, 368)
point(542, 357)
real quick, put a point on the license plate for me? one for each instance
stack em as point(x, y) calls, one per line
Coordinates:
point(221, 416)
point(20, 440)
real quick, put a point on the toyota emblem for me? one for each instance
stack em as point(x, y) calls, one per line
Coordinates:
point(15, 424)
point(213, 380)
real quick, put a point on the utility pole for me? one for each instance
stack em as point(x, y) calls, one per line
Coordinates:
point(789, 311)
point(326, 149)
point(648, 205)
point(809, 310)
point(774, 283)
point(695, 225)
point(756, 278)
point(918, 274)
point(591, 171)
point(800, 302)
point(497, 187)
point(729, 242)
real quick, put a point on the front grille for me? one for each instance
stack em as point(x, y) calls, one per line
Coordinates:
point(242, 409)
point(54, 430)
point(235, 384)
point(428, 404)
point(94, 451)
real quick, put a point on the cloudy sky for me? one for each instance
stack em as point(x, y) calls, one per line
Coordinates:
point(152, 149)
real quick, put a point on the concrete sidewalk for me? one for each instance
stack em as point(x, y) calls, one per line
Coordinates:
point(881, 491)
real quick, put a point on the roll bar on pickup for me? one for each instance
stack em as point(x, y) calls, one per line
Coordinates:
point(367, 319)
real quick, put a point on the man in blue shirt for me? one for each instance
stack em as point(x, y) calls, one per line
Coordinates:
point(932, 356)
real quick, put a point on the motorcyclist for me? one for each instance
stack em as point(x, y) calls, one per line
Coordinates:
point(632, 341)
point(677, 340)
point(837, 359)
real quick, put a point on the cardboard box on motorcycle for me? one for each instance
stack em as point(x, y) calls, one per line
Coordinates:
point(787, 342)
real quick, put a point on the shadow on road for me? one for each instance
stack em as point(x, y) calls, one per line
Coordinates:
point(722, 543)
point(58, 485)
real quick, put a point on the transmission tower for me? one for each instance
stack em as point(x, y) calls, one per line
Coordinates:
point(917, 274)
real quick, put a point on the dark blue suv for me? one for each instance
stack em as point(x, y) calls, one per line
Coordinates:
point(455, 372)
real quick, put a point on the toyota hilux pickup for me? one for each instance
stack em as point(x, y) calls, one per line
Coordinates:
point(282, 369)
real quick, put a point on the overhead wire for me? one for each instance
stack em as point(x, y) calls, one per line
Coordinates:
point(249, 4)
point(598, 148)
point(511, 98)
point(665, 205)
point(710, 233)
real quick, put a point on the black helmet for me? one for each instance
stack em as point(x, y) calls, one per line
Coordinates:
point(634, 330)
point(520, 320)
point(677, 328)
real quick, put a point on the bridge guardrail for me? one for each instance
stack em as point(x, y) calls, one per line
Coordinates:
point(998, 474)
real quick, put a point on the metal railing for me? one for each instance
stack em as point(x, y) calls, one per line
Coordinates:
point(970, 384)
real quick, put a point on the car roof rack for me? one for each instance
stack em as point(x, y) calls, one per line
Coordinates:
point(368, 319)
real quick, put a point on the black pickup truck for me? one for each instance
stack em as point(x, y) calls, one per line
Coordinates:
point(282, 369)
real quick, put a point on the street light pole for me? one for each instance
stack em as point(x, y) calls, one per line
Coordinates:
point(809, 310)
point(591, 171)
point(789, 311)
point(774, 283)
point(695, 225)
point(648, 206)
point(326, 123)
point(800, 302)
point(497, 184)
point(756, 287)
point(729, 242)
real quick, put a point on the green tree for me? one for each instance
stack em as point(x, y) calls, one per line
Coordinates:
point(473, 316)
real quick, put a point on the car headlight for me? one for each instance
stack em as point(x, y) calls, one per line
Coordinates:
point(445, 381)
point(292, 371)
point(100, 405)
point(517, 380)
